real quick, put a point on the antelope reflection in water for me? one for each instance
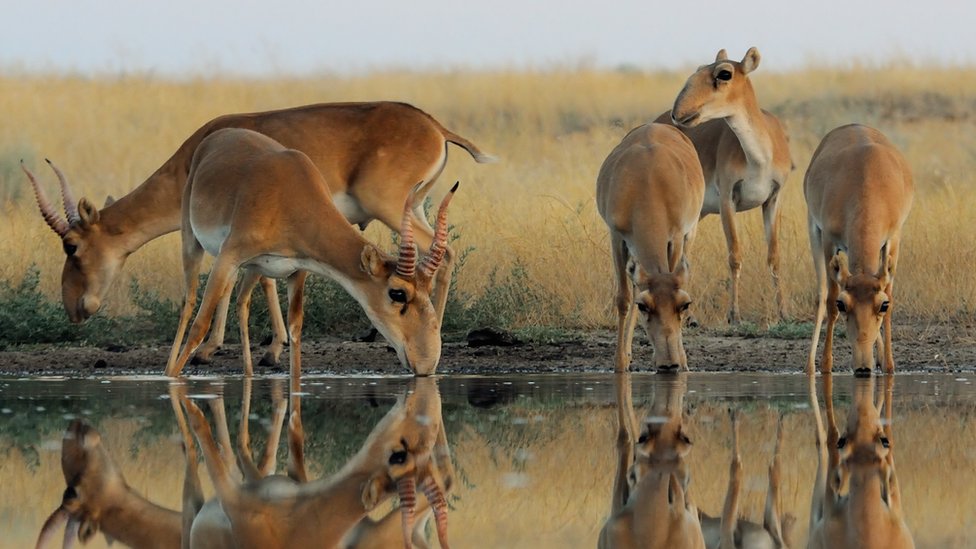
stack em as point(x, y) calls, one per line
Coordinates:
point(856, 499)
point(407, 448)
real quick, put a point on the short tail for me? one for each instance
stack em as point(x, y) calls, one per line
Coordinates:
point(476, 153)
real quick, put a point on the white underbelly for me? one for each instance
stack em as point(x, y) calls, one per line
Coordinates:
point(748, 195)
point(350, 208)
point(276, 266)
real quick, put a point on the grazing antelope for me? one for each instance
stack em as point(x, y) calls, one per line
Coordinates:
point(857, 500)
point(400, 454)
point(371, 154)
point(650, 507)
point(254, 203)
point(731, 532)
point(859, 191)
point(649, 192)
point(744, 153)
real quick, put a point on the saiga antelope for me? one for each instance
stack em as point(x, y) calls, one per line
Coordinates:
point(859, 191)
point(856, 499)
point(744, 153)
point(371, 154)
point(728, 531)
point(399, 455)
point(649, 192)
point(650, 507)
point(254, 203)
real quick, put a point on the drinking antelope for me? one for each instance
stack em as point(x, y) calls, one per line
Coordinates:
point(859, 191)
point(371, 154)
point(649, 192)
point(650, 507)
point(744, 153)
point(857, 499)
point(254, 203)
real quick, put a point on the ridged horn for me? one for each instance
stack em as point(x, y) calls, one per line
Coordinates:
point(438, 503)
point(50, 215)
point(407, 258)
point(432, 261)
point(67, 197)
point(407, 490)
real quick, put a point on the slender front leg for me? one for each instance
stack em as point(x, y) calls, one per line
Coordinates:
point(296, 443)
point(774, 522)
point(771, 218)
point(827, 360)
point(221, 477)
point(192, 491)
point(889, 355)
point(279, 332)
point(625, 315)
point(296, 316)
point(727, 212)
point(204, 354)
point(820, 269)
point(244, 454)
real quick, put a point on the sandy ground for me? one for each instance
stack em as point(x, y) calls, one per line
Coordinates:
point(918, 347)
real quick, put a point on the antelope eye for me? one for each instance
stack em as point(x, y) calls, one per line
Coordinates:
point(684, 307)
point(884, 306)
point(643, 308)
point(724, 75)
point(400, 296)
point(841, 306)
point(842, 442)
point(398, 457)
point(70, 249)
point(884, 441)
point(684, 438)
point(642, 439)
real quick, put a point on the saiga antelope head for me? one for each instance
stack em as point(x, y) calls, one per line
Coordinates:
point(863, 301)
point(715, 90)
point(93, 257)
point(661, 303)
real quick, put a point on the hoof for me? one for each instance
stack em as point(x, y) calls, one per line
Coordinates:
point(268, 360)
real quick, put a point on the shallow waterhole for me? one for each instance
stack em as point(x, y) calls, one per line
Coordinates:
point(535, 455)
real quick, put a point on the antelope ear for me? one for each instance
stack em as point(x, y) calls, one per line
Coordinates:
point(373, 261)
point(109, 200)
point(838, 268)
point(87, 212)
point(721, 55)
point(373, 492)
point(751, 61)
point(87, 531)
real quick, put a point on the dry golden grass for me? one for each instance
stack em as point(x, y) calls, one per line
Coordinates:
point(549, 482)
point(552, 129)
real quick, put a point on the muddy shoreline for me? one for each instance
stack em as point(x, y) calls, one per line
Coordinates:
point(918, 348)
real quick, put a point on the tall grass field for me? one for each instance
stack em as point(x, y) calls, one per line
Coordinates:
point(528, 223)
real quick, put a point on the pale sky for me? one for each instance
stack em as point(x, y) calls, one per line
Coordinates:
point(278, 37)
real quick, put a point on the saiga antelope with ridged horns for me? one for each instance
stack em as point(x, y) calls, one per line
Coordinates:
point(744, 153)
point(859, 191)
point(399, 456)
point(857, 498)
point(649, 192)
point(650, 506)
point(254, 203)
point(371, 154)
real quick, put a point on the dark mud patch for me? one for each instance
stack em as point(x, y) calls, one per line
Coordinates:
point(918, 348)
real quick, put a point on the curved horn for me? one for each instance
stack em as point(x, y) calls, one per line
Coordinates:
point(50, 215)
point(70, 204)
point(407, 490)
point(432, 261)
point(438, 503)
point(407, 258)
point(57, 519)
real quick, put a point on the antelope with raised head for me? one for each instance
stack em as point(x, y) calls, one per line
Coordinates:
point(859, 191)
point(729, 531)
point(399, 455)
point(254, 203)
point(650, 507)
point(744, 153)
point(649, 192)
point(371, 154)
point(857, 499)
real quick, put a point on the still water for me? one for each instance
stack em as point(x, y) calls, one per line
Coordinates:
point(534, 457)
